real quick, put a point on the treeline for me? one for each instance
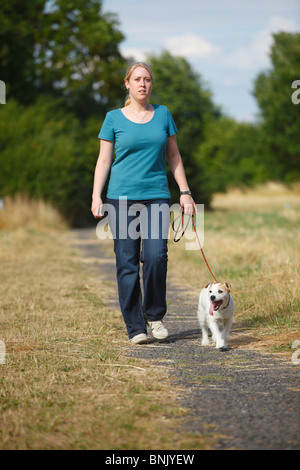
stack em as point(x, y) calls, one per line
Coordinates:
point(63, 71)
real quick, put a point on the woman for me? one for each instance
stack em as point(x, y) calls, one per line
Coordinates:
point(143, 135)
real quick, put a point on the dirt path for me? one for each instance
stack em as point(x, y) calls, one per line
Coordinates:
point(249, 399)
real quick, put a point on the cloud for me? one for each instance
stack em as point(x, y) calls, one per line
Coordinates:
point(190, 45)
point(134, 52)
point(247, 57)
point(255, 55)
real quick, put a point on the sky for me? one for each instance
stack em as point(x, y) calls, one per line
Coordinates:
point(227, 41)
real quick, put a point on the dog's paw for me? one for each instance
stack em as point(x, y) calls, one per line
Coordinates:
point(205, 342)
point(224, 348)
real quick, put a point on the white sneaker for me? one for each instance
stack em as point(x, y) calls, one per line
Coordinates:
point(158, 330)
point(139, 339)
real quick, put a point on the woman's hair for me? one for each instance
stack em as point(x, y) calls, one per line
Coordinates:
point(129, 72)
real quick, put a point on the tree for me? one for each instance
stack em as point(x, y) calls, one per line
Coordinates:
point(181, 89)
point(77, 54)
point(44, 160)
point(280, 117)
point(67, 49)
point(232, 154)
point(18, 25)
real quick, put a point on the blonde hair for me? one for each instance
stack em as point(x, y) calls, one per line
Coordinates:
point(129, 72)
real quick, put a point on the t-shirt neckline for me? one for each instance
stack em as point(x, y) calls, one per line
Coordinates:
point(139, 123)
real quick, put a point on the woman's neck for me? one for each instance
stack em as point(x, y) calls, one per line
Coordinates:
point(138, 107)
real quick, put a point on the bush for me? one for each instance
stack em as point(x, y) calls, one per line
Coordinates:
point(42, 154)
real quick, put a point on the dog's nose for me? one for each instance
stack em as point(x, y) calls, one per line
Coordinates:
point(212, 297)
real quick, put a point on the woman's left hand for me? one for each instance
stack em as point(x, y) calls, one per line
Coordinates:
point(187, 204)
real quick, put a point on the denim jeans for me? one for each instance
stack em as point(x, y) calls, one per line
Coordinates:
point(140, 231)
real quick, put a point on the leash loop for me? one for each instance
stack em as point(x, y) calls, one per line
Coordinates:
point(180, 227)
point(183, 229)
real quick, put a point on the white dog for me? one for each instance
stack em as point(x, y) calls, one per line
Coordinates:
point(215, 311)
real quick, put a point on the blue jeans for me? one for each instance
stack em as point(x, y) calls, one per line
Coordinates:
point(140, 231)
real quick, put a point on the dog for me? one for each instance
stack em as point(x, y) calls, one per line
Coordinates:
point(215, 311)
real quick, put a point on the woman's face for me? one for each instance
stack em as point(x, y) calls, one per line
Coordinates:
point(139, 84)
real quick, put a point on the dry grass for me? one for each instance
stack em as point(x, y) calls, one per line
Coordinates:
point(252, 241)
point(21, 211)
point(68, 382)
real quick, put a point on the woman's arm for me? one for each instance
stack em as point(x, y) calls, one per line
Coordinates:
point(101, 171)
point(177, 168)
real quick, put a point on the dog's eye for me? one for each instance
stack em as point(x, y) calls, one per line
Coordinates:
point(220, 291)
point(210, 291)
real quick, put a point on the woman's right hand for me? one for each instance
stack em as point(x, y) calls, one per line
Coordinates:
point(96, 208)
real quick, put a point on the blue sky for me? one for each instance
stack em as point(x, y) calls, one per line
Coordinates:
point(227, 41)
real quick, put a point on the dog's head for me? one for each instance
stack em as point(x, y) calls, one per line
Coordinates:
point(218, 294)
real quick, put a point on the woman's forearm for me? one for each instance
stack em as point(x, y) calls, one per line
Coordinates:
point(176, 165)
point(101, 172)
point(178, 172)
point(102, 168)
point(175, 161)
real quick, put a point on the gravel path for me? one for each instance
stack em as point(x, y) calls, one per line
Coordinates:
point(249, 400)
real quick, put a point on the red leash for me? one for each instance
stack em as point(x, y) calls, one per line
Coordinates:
point(183, 229)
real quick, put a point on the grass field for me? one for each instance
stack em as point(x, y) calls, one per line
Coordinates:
point(67, 382)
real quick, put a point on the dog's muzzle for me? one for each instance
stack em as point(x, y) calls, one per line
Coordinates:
point(214, 304)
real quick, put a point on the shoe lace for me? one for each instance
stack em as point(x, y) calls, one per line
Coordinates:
point(158, 325)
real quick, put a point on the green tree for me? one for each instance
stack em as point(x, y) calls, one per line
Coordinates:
point(41, 155)
point(77, 55)
point(189, 100)
point(67, 49)
point(19, 22)
point(280, 117)
point(232, 154)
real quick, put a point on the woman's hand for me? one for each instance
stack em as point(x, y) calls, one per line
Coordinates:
point(187, 204)
point(96, 209)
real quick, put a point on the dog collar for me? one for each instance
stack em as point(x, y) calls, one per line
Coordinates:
point(227, 303)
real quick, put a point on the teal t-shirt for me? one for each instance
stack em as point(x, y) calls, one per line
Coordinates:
point(138, 170)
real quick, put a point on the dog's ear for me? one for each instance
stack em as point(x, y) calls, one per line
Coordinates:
point(228, 285)
point(207, 285)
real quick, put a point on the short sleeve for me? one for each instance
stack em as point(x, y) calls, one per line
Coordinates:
point(171, 126)
point(107, 129)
